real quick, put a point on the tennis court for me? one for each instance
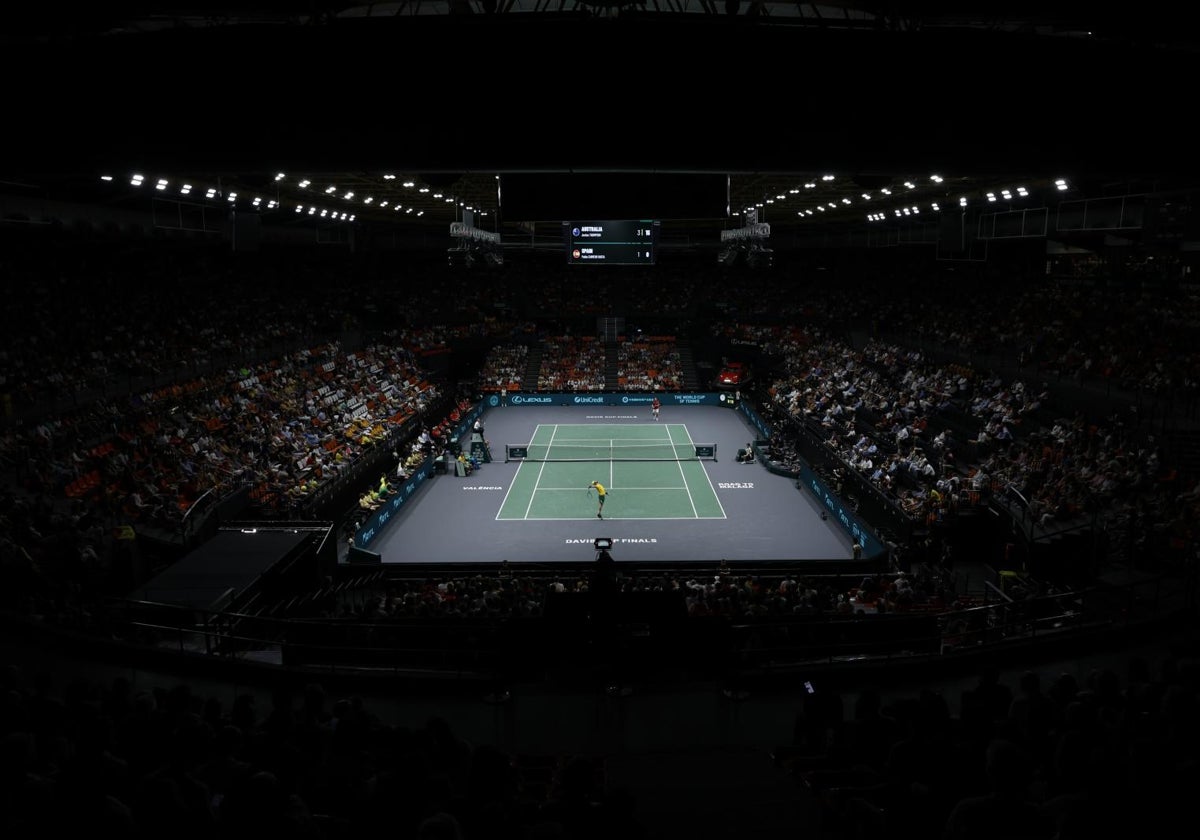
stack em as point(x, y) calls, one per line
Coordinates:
point(523, 508)
point(651, 471)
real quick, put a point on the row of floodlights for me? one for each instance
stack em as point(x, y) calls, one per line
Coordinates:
point(349, 194)
point(1060, 184)
point(161, 184)
point(937, 179)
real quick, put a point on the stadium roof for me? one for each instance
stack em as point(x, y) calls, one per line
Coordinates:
point(448, 96)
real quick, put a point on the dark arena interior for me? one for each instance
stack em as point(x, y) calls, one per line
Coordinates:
point(614, 419)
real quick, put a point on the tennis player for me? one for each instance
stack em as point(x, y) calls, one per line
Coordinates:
point(654, 407)
point(601, 492)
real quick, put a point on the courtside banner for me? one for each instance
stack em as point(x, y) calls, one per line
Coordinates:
point(667, 398)
point(377, 520)
point(841, 513)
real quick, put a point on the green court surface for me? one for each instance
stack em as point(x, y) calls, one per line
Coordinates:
point(672, 484)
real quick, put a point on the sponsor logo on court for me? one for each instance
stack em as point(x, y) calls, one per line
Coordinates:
point(493, 401)
point(518, 399)
point(480, 487)
point(736, 485)
point(627, 540)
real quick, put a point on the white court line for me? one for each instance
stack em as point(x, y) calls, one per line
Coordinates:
point(624, 489)
point(538, 480)
point(625, 519)
point(511, 485)
point(707, 478)
point(691, 501)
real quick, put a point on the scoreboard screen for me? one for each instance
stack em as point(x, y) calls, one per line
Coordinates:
point(612, 242)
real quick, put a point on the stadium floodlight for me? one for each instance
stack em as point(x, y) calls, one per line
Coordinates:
point(257, 200)
point(845, 201)
point(809, 212)
point(105, 177)
point(449, 200)
point(312, 210)
point(1021, 191)
point(907, 212)
point(280, 177)
point(420, 213)
point(409, 184)
point(332, 189)
point(161, 185)
point(299, 208)
point(910, 185)
point(136, 180)
point(389, 177)
point(793, 191)
point(352, 217)
point(936, 209)
point(368, 200)
point(343, 217)
point(324, 213)
point(885, 191)
point(185, 189)
point(916, 210)
point(409, 210)
point(305, 183)
point(781, 197)
point(962, 201)
point(826, 177)
point(212, 193)
point(349, 195)
point(809, 185)
point(271, 204)
point(383, 203)
point(866, 196)
point(770, 201)
point(991, 196)
point(233, 196)
point(438, 195)
point(937, 179)
point(821, 207)
point(1006, 194)
point(1061, 183)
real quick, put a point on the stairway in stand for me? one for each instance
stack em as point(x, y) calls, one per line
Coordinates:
point(533, 368)
point(611, 370)
point(691, 379)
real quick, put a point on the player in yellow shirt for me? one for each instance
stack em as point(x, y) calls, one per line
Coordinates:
point(602, 493)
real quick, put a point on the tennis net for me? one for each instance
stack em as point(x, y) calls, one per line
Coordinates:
point(610, 451)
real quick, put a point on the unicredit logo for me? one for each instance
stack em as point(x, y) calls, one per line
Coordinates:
point(581, 400)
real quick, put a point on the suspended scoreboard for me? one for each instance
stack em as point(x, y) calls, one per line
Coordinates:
point(612, 242)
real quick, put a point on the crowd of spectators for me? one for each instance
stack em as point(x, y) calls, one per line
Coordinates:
point(572, 363)
point(71, 326)
point(1032, 754)
point(931, 437)
point(735, 596)
point(1106, 753)
point(649, 363)
point(928, 435)
point(281, 428)
point(84, 756)
point(504, 368)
